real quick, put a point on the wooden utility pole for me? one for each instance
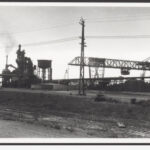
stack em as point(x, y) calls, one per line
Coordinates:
point(81, 80)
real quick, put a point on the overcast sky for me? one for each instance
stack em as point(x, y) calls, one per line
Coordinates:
point(29, 25)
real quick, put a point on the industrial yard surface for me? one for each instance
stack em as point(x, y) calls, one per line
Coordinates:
point(37, 113)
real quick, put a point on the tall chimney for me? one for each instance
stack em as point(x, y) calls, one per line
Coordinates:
point(6, 61)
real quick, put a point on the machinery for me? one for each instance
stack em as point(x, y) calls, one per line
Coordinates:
point(22, 75)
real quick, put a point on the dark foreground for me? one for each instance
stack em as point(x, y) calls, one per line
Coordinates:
point(25, 113)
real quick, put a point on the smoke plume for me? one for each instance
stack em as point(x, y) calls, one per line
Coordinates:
point(7, 40)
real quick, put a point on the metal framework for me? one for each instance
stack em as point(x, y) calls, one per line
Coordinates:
point(96, 72)
point(111, 63)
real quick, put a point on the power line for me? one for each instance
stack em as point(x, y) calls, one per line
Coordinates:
point(92, 20)
point(119, 18)
point(89, 20)
point(40, 29)
point(51, 42)
point(115, 20)
point(88, 37)
point(102, 20)
point(118, 36)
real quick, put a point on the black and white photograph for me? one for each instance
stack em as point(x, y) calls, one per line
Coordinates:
point(74, 72)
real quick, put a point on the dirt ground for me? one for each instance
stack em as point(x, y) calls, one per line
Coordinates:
point(33, 113)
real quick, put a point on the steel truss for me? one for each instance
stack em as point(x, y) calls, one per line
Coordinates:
point(111, 63)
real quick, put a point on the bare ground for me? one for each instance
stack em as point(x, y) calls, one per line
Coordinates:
point(27, 113)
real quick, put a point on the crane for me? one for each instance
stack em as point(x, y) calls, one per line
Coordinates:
point(144, 71)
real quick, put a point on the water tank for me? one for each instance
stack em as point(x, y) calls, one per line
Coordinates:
point(44, 64)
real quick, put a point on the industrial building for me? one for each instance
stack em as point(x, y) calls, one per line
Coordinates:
point(28, 75)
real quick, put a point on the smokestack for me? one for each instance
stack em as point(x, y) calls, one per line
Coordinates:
point(19, 47)
point(6, 61)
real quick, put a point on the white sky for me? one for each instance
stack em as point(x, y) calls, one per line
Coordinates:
point(25, 25)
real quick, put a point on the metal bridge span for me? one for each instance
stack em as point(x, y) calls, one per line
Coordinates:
point(111, 63)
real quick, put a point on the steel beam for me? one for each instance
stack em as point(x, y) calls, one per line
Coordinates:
point(111, 63)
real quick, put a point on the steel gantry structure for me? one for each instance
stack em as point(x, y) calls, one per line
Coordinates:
point(124, 65)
